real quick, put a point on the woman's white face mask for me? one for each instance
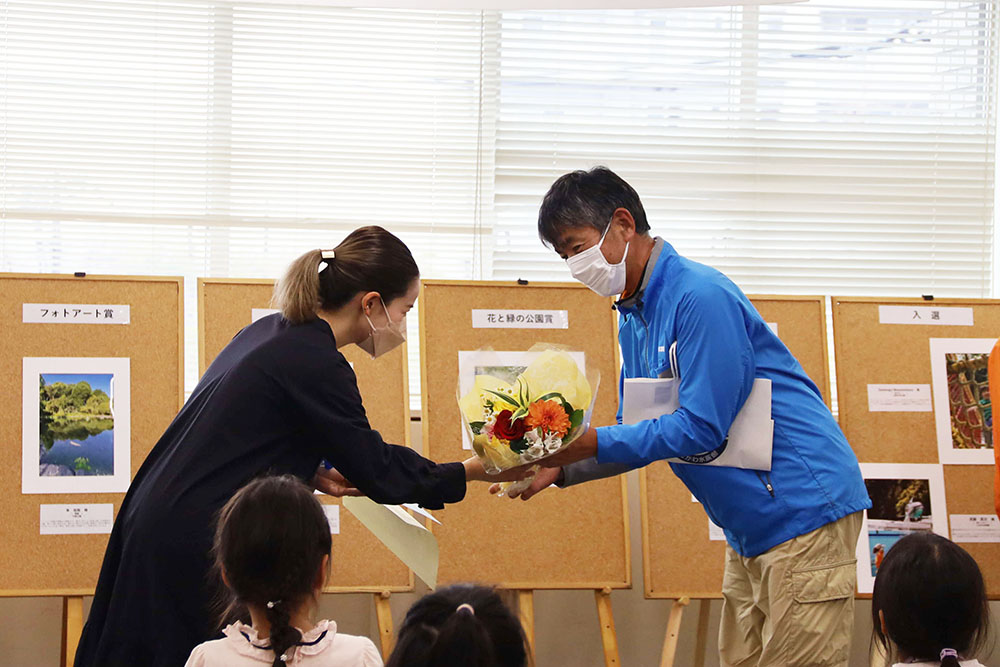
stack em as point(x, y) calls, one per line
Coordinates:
point(592, 269)
point(383, 340)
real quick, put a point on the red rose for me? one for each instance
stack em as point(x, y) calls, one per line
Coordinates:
point(505, 429)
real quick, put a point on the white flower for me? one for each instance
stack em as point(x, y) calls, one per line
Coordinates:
point(552, 443)
point(532, 437)
point(534, 452)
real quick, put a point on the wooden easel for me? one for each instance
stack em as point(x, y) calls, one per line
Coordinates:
point(667, 656)
point(383, 614)
point(72, 628)
point(525, 602)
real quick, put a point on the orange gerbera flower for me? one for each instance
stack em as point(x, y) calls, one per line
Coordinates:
point(548, 415)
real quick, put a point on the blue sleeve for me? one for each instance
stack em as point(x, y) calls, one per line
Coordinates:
point(717, 370)
point(621, 389)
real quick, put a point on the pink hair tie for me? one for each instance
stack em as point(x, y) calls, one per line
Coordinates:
point(949, 652)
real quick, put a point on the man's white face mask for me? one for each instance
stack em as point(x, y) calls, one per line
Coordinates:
point(592, 269)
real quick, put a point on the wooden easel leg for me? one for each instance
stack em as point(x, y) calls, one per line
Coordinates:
point(609, 640)
point(673, 631)
point(526, 612)
point(72, 628)
point(704, 609)
point(383, 613)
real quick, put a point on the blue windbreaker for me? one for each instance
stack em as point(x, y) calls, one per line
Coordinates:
point(722, 345)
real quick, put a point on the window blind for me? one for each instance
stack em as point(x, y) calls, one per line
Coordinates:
point(834, 147)
point(831, 147)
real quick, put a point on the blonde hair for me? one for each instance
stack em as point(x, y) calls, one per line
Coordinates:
point(370, 259)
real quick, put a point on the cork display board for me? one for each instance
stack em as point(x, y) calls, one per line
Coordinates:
point(568, 538)
point(35, 564)
point(869, 352)
point(360, 563)
point(675, 529)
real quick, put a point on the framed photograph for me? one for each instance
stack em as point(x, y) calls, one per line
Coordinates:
point(75, 419)
point(963, 411)
point(503, 365)
point(906, 498)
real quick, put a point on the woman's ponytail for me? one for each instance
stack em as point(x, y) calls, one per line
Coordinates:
point(283, 636)
point(463, 640)
point(296, 294)
point(369, 259)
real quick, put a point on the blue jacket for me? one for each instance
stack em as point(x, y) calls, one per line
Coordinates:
point(722, 345)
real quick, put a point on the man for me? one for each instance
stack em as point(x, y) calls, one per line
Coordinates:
point(788, 590)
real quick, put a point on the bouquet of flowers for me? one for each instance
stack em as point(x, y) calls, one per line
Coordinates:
point(543, 409)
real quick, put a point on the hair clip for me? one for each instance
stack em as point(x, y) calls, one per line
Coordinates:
point(329, 254)
point(946, 652)
point(283, 657)
point(271, 603)
point(466, 606)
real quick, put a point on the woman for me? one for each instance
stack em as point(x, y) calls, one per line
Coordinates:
point(280, 398)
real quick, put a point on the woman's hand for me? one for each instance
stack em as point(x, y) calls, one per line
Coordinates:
point(332, 483)
point(474, 472)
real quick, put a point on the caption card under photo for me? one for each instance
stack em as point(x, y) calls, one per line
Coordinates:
point(899, 398)
point(906, 498)
point(86, 519)
point(980, 528)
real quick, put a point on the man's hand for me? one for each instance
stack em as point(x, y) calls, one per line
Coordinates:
point(543, 479)
point(474, 472)
point(332, 483)
point(584, 447)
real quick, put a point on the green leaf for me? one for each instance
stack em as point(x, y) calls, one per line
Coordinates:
point(509, 400)
point(551, 395)
point(519, 445)
point(521, 412)
point(477, 427)
point(576, 418)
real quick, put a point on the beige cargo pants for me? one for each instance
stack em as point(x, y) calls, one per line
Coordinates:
point(794, 604)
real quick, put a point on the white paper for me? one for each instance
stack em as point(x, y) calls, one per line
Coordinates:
point(715, 532)
point(774, 327)
point(947, 316)
point(883, 531)
point(750, 437)
point(78, 455)
point(899, 398)
point(511, 363)
point(969, 420)
point(401, 533)
point(88, 519)
point(975, 528)
point(519, 319)
point(413, 507)
point(333, 518)
point(258, 313)
point(74, 313)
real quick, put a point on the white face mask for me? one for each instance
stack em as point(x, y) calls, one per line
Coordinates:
point(592, 269)
point(383, 340)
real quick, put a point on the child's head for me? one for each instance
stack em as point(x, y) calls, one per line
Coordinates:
point(929, 596)
point(272, 548)
point(460, 625)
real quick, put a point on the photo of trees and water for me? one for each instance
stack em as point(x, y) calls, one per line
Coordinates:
point(76, 424)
